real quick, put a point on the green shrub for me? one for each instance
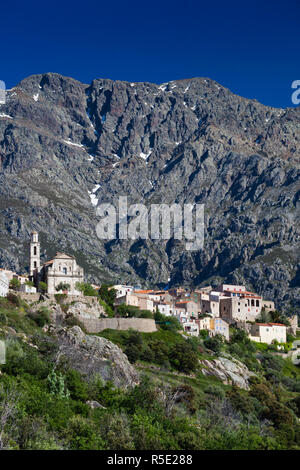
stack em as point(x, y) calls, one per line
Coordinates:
point(214, 343)
point(108, 294)
point(3, 318)
point(15, 284)
point(14, 299)
point(183, 357)
point(62, 286)
point(133, 353)
point(86, 289)
point(77, 387)
point(60, 298)
point(43, 287)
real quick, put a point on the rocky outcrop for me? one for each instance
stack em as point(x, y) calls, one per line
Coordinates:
point(88, 309)
point(93, 355)
point(65, 145)
point(84, 308)
point(229, 371)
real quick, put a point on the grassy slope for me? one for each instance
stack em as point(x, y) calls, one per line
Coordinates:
point(67, 422)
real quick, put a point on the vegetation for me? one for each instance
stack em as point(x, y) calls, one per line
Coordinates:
point(43, 287)
point(275, 317)
point(44, 402)
point(129, 311)
point(63, 286)
point(86, 289)
point(15, 284)
point(107, 294)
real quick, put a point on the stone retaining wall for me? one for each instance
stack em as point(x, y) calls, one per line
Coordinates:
point(145, 325)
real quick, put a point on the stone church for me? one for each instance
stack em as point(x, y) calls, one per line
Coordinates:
point(62, 268)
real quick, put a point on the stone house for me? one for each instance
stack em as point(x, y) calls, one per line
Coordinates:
point(128, 299)
point(189, 306)
point(268, 305)
point(244, 307)
point(210, 303)
point(135, 300)
point(231, 288)
point(146, 304)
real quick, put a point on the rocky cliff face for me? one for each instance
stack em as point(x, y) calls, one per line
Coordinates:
point(65, 145)
point(92, 355)
point(230, 371)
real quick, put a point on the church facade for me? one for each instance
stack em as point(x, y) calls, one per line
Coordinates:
point(61, 269)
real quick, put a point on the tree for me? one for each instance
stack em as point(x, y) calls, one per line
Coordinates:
point(183, 357)
point(108, 294)
point(86, 289)
point(43, 287)
point(127, 311)
point(145, 314)
point(15, 284)
point(133, 353)
point(29, 283)
point(214, 343)
point(167, 323)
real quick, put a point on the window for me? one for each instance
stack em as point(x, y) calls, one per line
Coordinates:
point(34, 250)
point(65, 270)
point(34, 264)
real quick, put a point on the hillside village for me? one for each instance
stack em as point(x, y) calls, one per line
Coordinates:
point(211, 309)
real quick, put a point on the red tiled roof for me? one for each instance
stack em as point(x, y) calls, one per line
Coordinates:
point(143, 291)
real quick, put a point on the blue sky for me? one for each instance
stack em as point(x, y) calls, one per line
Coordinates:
point(253, 48)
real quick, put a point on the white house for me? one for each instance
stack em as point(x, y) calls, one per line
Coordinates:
point(122, 290)
point(268, 332)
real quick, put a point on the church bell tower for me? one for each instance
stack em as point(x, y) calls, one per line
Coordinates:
point(34, 254)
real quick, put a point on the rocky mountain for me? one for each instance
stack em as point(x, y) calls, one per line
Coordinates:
point(66, 146)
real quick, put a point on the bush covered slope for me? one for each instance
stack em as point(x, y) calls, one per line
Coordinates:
point(46, 404)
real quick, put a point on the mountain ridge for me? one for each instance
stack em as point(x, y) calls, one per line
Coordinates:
point(185, 141)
